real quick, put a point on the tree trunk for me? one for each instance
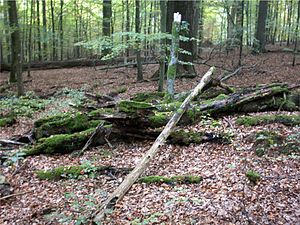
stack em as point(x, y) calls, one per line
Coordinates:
point(296, 34)
point(189, 12)
point(172, 66)
point(289, 18)
point(119, 193)
point(6, 33)
point(138, 42)
point(61, 32)
point(53, 32)
point(29, 39)
point(162, 62)
point(201, 24)
point(260, 34)
point(38, 30)
point(241, 29)
point(15, 46)
point(45, 45)
point(276, 22)
point(127, 27)
point(106, 23)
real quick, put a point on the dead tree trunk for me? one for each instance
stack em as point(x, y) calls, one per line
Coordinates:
point(118, 194)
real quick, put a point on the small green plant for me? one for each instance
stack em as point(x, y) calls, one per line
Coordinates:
point(13, 158)
point(172, 180)
point(253, 176)
point(152, 219)
point(73, 172)
point(81, 208)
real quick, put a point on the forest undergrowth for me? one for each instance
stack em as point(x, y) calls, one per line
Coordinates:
point(253, 179)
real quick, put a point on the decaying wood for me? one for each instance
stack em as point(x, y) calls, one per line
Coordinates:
point(99, 131)
point(10, 142)
point(118, 194)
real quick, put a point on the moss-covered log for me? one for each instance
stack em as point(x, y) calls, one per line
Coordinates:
point(178, 136)
point(188, 179)
point(76, 171)
point(66, 123)
point(271, 97)
point(61, 143)
point(288, 120)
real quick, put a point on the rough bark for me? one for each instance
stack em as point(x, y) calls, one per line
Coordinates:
point(106, 22)
point(15, 46)
point(189, 11)
point(260, 34)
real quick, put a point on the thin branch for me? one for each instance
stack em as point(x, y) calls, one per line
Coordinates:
point(13, 195)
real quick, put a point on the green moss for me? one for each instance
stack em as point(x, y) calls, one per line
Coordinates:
point(159, 119)
point(280, 89)
point(218, 98)
point(47, 119)
point(212, 92)
point(99, 112)
point(267, 139)
point(260, 152)
point(253, 176)
point(59, 172)
point(63, 125)
point(7, 120)
point(148, 96)
point(167, 107)
point(272, 144)
point(61, 143)
point(171, 73)
point(133, 106)
point(172, 180)
point(281, 103)
point(289, 120)
point(185, 138)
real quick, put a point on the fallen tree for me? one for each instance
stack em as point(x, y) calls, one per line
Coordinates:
point(142, 119)
point(118, 194)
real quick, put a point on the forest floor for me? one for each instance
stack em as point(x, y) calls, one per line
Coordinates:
point(225, 196)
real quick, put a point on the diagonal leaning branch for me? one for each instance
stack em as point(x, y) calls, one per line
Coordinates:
point(131, 178)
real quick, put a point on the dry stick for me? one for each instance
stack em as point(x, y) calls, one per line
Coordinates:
point(10, 142)
point(237, 71)
point(91, 139)
point(118, 194)
point(16, 194)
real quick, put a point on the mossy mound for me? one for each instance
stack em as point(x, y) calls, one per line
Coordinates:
point(217, 98)
point(185, 138)
point(99, 112)
point(48, 119)
point(159, 119)
point(75, 172)
point(288, 120)
point(61, 172)
point(272, 144)
point(134, 107)
point(171, 180)
point(63, 124)
point(253, 176)
point(60, 143)
point(148, 97)
point(7, 120)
